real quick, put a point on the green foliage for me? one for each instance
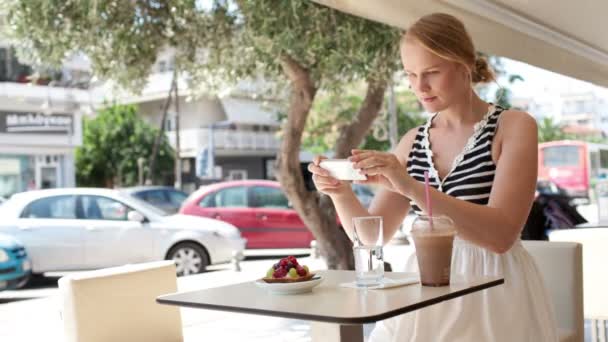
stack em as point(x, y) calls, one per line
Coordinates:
point(335, 47)
point(406, 120)
point(121, 38)
point(215, 42)
point(503, 95)
point(332, 111)
point(112, 143)
point(548, 130)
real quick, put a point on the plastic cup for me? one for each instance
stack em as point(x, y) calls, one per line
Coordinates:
point(434, 248)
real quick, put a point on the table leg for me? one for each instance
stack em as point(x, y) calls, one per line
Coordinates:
point(336, 332)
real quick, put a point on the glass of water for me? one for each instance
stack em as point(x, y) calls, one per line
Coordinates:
point(367, 249)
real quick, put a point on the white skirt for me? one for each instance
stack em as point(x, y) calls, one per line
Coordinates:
point(519, 310)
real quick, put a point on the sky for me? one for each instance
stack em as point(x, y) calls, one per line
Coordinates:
point(539, 81)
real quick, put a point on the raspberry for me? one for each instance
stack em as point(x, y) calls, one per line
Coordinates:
point(301, 271)
point(283, 262)
point(279, 273)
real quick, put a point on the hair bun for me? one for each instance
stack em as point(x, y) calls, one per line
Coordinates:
point(482, 73)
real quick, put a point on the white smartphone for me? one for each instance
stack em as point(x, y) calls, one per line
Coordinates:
point(342, 169)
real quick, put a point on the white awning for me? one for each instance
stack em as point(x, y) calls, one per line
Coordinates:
point(567, 37)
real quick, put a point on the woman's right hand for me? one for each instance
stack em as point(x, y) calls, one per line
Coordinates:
point(323, 181)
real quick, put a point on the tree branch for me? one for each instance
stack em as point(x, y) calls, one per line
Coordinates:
point(316, 211)
point(352, 135)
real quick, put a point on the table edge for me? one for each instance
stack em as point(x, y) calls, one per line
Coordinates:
point(338, 320)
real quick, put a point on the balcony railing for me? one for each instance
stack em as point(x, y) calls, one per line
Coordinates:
point(193, 140)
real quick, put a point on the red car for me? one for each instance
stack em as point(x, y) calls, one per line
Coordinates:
point(259, 208)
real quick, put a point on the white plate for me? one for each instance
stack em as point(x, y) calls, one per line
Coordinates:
point(290, 288)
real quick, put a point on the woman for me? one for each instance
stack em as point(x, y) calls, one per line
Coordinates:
point(482, 164)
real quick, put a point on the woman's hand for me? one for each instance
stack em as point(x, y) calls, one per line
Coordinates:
point(323, 181)
point(381, 168)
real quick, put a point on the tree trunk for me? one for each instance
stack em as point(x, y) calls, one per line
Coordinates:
point(352, 135)
point(316, 210)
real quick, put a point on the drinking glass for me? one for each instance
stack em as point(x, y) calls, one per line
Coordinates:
point(367, 250)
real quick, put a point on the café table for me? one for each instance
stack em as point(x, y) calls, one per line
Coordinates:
point(336, 313)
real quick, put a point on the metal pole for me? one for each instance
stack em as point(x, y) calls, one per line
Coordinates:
point(393, 127)
point(140, 170)
point(178, 160)
point(161, 131)
point(211, 151)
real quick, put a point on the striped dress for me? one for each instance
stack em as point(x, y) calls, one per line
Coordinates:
point(472, 172)
point(520, 310)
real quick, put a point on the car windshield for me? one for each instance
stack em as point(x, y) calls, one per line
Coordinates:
point(146, 206)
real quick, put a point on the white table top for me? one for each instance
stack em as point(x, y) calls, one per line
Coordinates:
point(328, 302)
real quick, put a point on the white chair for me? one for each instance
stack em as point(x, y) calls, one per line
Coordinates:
point(560, 264)
point(595, 274)
point(119, 304)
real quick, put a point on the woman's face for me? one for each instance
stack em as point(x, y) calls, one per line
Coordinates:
point(437, 82)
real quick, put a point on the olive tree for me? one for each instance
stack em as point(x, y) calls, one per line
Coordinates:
point(297, 43)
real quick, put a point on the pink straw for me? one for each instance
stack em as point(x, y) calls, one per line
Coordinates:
point(429, 208)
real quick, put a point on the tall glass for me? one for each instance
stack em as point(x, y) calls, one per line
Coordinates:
point(367, 249)
point(434, 248)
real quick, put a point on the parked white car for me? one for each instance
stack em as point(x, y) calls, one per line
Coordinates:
point(86, 228)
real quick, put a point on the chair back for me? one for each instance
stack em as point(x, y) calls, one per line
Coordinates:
point(561, 267)
point(119, 304)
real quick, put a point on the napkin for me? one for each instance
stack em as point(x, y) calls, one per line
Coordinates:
point(386, 283)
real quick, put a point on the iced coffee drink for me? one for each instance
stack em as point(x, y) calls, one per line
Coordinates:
point(434, 248)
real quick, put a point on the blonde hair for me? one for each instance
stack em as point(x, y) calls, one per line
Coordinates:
point(446, 36)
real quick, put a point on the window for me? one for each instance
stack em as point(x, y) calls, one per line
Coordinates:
point(604, 159)
point(237, 174)
point(162, 66)
point(103, 208)
point(57, 207)
point(231, 197)
point(154, 197)
point(207, 201)
point(594, 159)
point(270, 165)
point(267, 197)
point(176, 197)
point(560, 156)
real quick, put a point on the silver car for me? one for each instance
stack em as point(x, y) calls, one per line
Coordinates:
point(86, 228)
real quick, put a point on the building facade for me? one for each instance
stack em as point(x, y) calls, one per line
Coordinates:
point(40, 127)
point(580, 112)
point(221, 138)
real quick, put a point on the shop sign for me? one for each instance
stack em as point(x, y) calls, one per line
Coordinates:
point(35, 123)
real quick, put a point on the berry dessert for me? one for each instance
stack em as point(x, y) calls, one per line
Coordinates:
point(287, 270)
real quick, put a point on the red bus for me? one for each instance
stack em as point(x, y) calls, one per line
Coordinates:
point(573, 165)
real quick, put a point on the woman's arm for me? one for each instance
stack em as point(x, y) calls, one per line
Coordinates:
point(498, 225)
point(387, 202)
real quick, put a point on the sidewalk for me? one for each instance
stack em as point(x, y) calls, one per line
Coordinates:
point(39, 319)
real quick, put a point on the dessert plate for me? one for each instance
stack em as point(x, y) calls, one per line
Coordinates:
point(290, 288)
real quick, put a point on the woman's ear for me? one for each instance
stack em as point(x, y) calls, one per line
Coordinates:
point(459, 70)
point(465, 72)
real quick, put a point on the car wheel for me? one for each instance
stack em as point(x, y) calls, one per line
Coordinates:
point(190, 258)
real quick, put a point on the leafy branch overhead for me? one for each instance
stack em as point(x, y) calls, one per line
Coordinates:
point(216, 43)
